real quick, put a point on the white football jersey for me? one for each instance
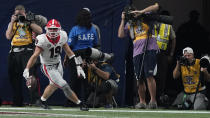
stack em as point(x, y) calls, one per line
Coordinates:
point(51, 52)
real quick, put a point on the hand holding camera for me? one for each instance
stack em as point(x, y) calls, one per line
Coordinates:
point(137, 13)
point(183, 61)
point(13, 18)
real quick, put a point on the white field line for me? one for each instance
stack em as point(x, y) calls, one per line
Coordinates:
point(115, 110)
point(9, 113)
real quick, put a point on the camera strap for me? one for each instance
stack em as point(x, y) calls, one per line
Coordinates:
point(197, 89)
point(144, 51)
point(15, 31)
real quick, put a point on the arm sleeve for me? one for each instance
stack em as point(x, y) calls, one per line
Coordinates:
point(65, 37)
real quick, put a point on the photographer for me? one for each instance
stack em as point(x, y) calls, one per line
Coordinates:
point(19, 31)
point(144, 53)
point(193, 73)
point(103, 84)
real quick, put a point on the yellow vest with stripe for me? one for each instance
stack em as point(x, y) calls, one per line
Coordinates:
point(190, 77)
point(162, 35)
point(23, 35)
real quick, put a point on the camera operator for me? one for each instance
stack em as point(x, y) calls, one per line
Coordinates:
point(103, 84)
point(193, 73)
point(144, 53)
point(19, 31)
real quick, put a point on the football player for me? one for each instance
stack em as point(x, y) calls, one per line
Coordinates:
point(48, 47)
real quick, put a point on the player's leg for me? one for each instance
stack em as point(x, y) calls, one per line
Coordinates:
point(55, 75)
point(51, 73)
point(49, 90)
point(69, 93)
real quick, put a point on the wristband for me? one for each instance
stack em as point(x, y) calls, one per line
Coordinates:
point(72, 56)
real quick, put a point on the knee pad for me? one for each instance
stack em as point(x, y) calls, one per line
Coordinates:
point(67, 90)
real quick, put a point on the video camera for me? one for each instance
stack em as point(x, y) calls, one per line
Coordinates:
point(146, 17)
point(128, 15)
point(31, 17)
point(20, 17)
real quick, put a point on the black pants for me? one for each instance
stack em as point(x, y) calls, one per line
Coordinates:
point(164, 72)
point(78, 85)
point(16, 64)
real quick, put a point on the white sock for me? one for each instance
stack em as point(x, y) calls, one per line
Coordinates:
point(78, 102)
point(43, 99)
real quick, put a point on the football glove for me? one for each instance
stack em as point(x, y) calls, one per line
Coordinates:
point(80, 71)
point(28, 82)
point(26, 73)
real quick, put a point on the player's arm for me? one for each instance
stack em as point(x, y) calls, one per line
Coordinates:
point(31, 62)
point(71, 55)
point(67, 49)
point(33, 58)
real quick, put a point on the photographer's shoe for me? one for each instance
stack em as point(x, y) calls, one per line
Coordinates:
point(83, 107)
point(140, 106)
point(152, 105)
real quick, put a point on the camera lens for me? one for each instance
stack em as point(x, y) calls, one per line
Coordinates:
point(204, 62)
point(21, 18)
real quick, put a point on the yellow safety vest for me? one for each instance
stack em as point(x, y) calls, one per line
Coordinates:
point(190, 77)
point(23, 35)
point(163, 35)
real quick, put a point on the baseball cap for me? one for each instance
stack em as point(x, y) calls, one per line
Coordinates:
point(87, 9)
point(188, 50)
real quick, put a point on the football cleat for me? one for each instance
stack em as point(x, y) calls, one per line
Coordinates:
point(42, 104)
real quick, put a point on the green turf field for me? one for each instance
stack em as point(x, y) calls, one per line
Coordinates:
point(62, 112)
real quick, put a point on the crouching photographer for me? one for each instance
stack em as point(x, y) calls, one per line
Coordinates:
point(103, 84)
point(194, 74)
point(85, 56)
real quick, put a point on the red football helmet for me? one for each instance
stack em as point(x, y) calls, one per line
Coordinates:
point(53, 28)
